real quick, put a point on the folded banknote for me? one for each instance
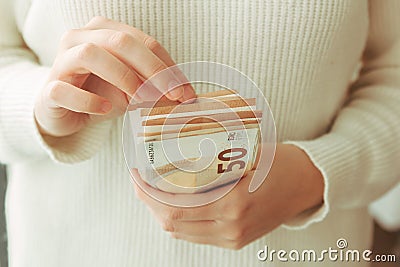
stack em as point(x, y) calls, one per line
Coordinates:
point(196, 147)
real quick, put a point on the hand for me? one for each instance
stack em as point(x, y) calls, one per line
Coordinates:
point(96, 72)
point(292, 186)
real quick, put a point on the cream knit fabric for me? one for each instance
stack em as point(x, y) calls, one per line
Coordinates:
point(301, 53)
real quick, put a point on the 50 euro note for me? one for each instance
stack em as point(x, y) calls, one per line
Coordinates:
point(196, 147)
point(199, 163)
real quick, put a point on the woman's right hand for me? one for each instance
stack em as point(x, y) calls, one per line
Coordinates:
point(96, 72)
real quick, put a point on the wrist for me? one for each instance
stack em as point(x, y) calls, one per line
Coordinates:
point(306, 179)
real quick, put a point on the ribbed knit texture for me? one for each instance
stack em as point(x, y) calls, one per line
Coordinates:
point(302, 54)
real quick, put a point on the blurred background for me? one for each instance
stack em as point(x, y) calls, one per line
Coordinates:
point(385, 241)
point(3, 233)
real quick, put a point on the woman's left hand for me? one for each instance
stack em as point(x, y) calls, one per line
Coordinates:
point(293, 185)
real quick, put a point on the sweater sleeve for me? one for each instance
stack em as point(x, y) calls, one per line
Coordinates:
point(21, 79)
point(359, 157)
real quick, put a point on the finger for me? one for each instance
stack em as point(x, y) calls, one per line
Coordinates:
point(98, 23)
point(152, 196)
point(65, 95)
point(151, 43)
point(134, 53)
point(197, 228)
point(173, 213)
point(90, 58)
point(206, 240)
point(189, 94)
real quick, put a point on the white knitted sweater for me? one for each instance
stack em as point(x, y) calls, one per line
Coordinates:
point(71, 202)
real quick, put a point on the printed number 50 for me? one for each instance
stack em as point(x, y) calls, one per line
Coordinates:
point(222, 156)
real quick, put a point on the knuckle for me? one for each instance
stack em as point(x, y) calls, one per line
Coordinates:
point(237, 234)
point(231, 212)
point(68, 35)
point(88, 103)
point(175, 214)
point(96, 20)
point(121, 40)
point(234, 214)
point(86, 51)
point(125, 76)
point(167, 226)
point(157, 67)
point(151, 43)
point(235, 211)
point(55, 90)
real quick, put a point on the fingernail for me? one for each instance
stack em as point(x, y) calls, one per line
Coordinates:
point(186, 97)
point(174, 92)
point(106, 107)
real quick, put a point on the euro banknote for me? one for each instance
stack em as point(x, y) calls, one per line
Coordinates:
point(196, 147)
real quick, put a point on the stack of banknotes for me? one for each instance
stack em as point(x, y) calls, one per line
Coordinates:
point(198, 146)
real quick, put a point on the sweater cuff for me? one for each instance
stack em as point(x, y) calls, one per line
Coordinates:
point(328, 154)
point(79, 146)
point(20, 136)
